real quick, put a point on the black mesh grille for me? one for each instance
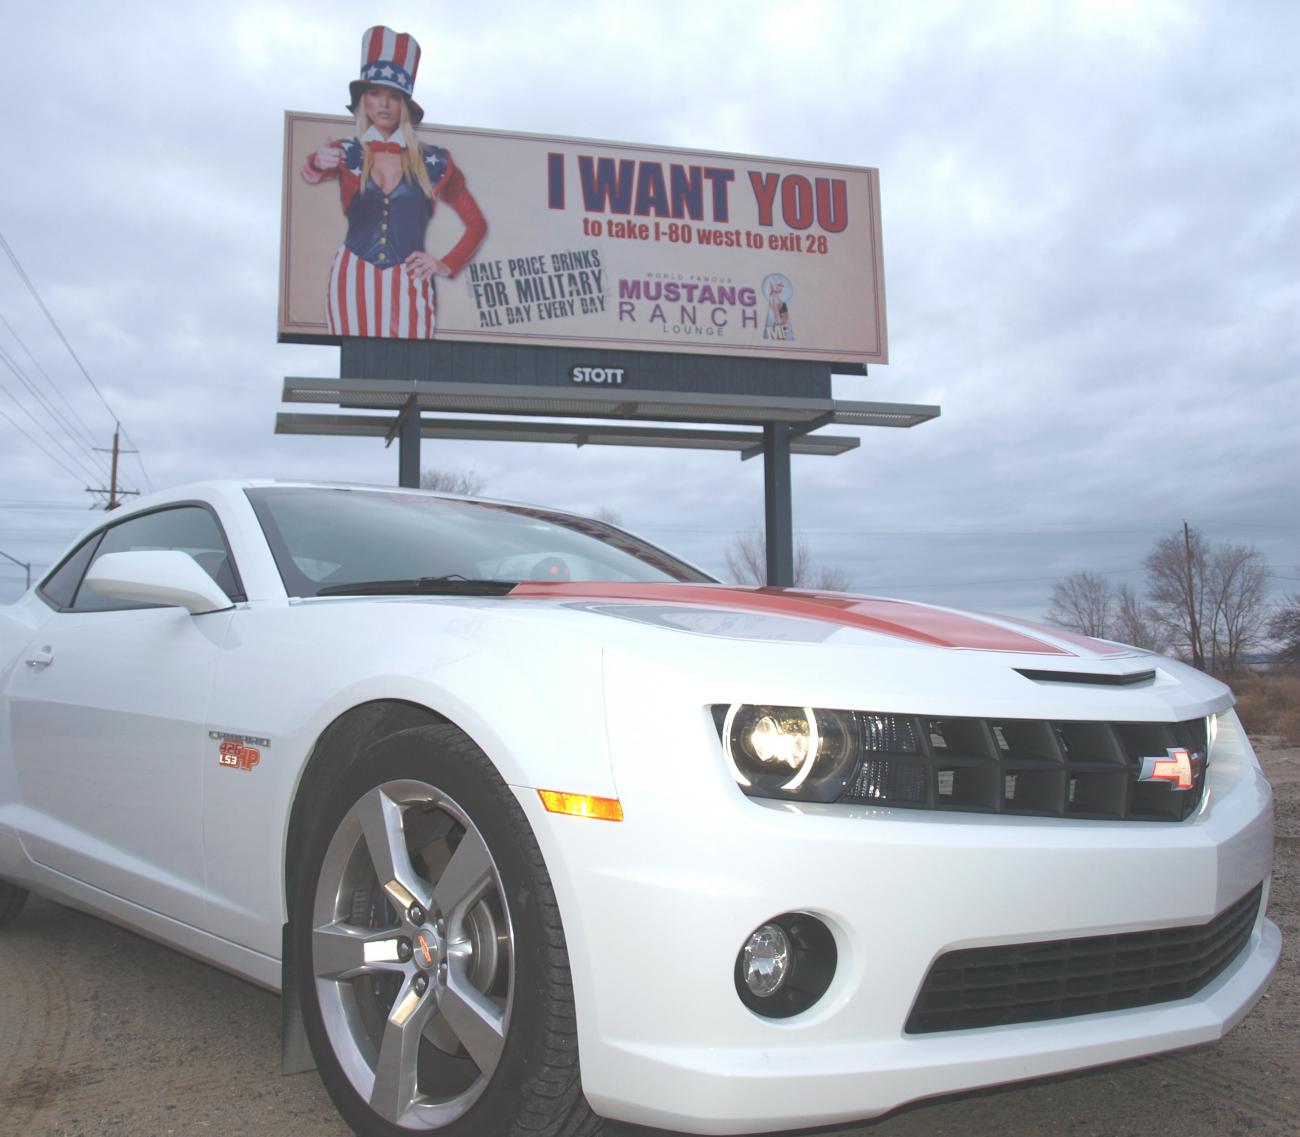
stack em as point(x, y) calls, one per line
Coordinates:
point(1023, 766)
point(1021, 983)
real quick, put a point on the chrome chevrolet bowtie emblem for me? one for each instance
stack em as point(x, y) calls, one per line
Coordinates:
point(1179, 768)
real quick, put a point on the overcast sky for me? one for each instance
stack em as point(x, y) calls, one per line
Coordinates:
point(1091, 219)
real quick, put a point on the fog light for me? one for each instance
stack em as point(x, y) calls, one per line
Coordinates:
point(765, 960)
point(785, 965)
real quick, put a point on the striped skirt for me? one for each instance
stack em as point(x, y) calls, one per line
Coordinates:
point(366, 300)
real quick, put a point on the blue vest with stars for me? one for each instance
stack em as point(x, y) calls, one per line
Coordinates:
point(386, 228)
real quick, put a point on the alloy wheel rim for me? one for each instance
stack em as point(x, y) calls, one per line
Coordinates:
point(413, 954)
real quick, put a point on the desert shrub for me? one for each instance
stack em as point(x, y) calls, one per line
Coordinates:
point(1269, 703)
point(1288, 725)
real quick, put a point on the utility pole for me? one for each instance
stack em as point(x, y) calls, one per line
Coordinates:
point(113, 492)
point(20, 564)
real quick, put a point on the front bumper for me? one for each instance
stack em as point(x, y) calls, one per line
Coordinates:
point(656, 908)
point(700, 1088)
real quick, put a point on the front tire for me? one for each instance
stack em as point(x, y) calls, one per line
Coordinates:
point(434, 978)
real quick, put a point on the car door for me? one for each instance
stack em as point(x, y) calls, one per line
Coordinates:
point(107, 713)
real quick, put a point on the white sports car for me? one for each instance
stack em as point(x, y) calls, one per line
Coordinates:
point(534, 824)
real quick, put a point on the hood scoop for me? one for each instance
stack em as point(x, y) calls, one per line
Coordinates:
point(1090, 678)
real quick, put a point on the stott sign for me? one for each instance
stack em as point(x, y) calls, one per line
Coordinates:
point(613, 376)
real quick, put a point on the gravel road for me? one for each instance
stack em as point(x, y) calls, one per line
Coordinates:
point(102, 1032)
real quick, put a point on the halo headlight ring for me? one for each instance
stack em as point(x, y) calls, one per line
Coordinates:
point(803, 753)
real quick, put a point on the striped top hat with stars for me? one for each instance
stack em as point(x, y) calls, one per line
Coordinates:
point(388, 59)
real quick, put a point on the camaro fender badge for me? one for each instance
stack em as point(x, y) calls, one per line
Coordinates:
point(1179, 768)
point(238, 751)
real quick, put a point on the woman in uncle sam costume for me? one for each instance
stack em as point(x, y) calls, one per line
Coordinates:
point(381, 282)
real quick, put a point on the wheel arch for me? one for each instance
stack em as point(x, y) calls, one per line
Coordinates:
point(334, 748)
point(393, 740)
point(503, 730)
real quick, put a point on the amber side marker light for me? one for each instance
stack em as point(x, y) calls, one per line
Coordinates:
point(582, 805)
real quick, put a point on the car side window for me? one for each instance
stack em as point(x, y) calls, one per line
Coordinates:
point(61, 585)
point(188, 529)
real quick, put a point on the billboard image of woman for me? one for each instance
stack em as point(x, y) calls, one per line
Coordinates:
point(381, 282)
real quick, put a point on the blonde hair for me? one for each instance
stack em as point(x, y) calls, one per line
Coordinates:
point(412, 156)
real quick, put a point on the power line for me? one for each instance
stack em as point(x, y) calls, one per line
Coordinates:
point(32, 504)
point(981, 531)
point(44, 403)
point(988, 583)
point(53, 457)
point(85, 430)
point(90, 470)
point(22, 275)
point(59, 332)
point(913, 584)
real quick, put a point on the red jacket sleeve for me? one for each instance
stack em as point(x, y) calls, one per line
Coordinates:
point(454, 192)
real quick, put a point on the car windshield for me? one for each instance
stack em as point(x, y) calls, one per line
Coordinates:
point(326, 539)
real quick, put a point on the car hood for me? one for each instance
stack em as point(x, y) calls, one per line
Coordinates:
point(789, 646)
point(907, 655)
point(805, 616)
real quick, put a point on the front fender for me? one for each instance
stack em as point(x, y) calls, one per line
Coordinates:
point(528, 691)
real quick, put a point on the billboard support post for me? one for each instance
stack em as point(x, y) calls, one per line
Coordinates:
point(408, 449)
point(777, 505)
point(406, 429)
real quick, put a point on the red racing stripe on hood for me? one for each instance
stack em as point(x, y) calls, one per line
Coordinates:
point(1093, 646)
point(918, 623)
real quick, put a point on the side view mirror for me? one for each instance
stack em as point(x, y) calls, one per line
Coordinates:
point(157, 576)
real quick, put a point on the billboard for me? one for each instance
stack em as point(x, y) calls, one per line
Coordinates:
point(575, 243)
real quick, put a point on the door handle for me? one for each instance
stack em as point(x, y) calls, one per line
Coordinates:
point(40, 658)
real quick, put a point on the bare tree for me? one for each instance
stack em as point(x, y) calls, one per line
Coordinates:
point(1083, 601)
point(746, 561)
point(1208, 598)
point(1176, 570)
point(608, 516)
point(467, 483)
point(829, 578)
point(1134, 622)
point(1285, 628)
point(746, 558)
point(1236, 584)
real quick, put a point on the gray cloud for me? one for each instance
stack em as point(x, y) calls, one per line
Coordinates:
point(1091, 224)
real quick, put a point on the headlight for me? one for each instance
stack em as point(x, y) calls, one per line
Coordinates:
point(794, 752)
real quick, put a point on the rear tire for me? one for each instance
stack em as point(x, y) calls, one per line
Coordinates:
point(434, 985)
point(12, 899)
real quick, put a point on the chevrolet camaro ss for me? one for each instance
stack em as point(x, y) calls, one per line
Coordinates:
point(534, 824)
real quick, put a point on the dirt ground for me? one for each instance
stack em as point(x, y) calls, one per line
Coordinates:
point(104, 1033)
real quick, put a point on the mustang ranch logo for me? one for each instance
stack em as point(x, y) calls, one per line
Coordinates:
point(237, 751)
